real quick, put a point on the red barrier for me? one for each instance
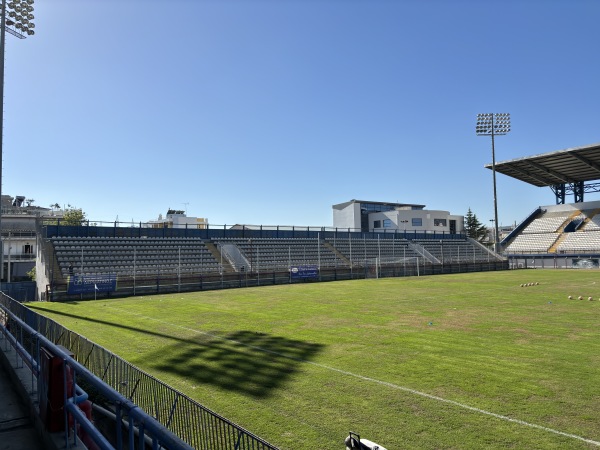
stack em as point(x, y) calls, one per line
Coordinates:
point(53, 393)
point(86, 407)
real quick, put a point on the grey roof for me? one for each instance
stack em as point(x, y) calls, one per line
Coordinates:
point(554, 168)
point(343, 205)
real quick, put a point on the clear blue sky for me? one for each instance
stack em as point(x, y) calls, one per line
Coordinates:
point(271, 111)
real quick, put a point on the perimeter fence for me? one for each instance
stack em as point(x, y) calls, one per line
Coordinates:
point(173, 281)
point(193, 423)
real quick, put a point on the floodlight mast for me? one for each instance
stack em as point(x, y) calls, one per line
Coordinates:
point(15, 18)
point(491, 124)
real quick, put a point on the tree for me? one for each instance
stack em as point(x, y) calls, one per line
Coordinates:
point(474, 228)
point(32, 274)
point(73, 217)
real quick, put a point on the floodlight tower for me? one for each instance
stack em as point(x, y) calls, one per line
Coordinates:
point(493, 124)
point(16, 19)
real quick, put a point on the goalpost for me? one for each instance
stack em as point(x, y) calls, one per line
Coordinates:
point(404, 266)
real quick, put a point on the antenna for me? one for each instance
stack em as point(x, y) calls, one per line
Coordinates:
point(186, 205)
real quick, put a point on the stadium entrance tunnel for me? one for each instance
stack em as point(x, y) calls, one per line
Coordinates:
point(248, 362)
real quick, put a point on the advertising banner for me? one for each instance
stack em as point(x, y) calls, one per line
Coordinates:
point(309, 271)
point(86, 284)
point(585, 263)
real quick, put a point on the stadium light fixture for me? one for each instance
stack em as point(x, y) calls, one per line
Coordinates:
point(16, 18)
point(492, 124)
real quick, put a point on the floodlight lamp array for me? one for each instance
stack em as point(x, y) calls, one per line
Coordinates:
point(19, 17)
point(492, 123)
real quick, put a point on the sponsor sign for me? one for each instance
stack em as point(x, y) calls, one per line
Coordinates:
point(585, 263)
point(86, 284)
point(304, 271)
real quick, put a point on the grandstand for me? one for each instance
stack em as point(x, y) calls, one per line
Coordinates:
point(561, 235)
point(130, 255)
point(135, 260)
point(557, 232)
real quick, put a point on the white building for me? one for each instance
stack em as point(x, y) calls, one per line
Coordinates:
point(365, 216)
point(178, 219)
point(19, 236)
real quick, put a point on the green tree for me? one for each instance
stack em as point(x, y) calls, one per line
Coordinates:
point(32, 274)
point(73, 217)
point(474, 228)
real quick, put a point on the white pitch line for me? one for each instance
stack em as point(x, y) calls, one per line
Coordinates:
point(374, 380)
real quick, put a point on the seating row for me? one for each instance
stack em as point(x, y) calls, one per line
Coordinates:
point(533, 242)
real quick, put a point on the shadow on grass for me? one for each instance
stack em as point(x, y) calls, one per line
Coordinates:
point(249, 362)
point(245, 361)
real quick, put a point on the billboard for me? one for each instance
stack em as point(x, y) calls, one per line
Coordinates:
point(306, 271)
point(585, 263)
point(87, 284)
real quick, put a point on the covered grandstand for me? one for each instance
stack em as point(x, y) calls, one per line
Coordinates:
point(564, 235)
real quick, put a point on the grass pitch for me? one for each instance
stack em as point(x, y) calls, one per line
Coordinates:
point(464, 361)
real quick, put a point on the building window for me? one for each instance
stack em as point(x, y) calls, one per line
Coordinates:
point(377, 224)
point(28, 249)
point(439, 222)
point(387, 223)
point(417, 222)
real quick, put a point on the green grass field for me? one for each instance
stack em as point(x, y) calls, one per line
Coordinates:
point(465, 361)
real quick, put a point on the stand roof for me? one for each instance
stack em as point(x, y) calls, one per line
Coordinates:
point(572, 165)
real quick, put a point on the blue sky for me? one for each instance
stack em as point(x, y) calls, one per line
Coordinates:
point(270, 111)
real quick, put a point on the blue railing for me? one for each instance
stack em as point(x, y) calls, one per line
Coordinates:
point(520, 227)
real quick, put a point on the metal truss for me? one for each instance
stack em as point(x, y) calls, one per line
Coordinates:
point(577, 189)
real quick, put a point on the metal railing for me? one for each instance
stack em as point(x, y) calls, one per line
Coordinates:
point(58, 227)
point(160, 408)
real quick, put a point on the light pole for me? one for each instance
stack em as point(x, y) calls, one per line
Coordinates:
point(493, 124)
point(495, 233)
point(16, 18)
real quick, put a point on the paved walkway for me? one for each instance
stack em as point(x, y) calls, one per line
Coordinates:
point(16, 429)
